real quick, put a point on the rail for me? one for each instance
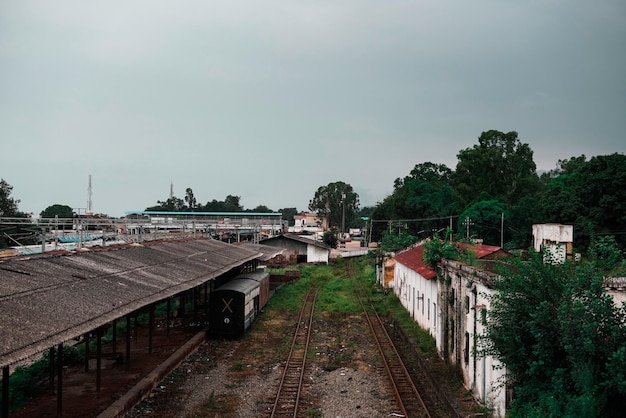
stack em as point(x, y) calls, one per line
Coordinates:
point(288, 397)
point(409, 398)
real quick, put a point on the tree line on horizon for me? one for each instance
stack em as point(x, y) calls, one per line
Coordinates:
point(494, 194)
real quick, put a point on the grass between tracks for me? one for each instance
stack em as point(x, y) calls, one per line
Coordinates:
point(337, 296)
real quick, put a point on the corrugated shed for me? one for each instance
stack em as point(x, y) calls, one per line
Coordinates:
point(413, 259)
point(268, 251)
point(47, 300)
point(483, 251)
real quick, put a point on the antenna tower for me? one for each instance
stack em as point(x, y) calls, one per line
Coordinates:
point(89, 202)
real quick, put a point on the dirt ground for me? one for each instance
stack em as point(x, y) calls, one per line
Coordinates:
point(80, 398)
point(237, 378)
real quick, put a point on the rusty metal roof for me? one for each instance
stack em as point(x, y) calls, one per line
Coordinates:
point(414, 260)
point(46, 300)
point(268, 251)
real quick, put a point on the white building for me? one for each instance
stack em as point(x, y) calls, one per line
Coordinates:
point(556, 239)
point(415, 284)
point(465, 293)
point(454, 310)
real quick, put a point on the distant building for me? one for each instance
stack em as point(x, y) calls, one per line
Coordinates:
point(556, 239)
point(453, 310)
point(300, 249)
point(308, 223)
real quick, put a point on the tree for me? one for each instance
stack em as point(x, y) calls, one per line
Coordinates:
point(172, 204)
point(590, 195)
point(436, 249)
point(485, 219)
point(392, 241)
point(262, 209)
point(605, 253)
point(337, 202)
point(62, 211)
point(8, 205)
point(190, 199)
point(288, 214)
point(9, 235)
point(499, 165)
point(230, 204)
point(561, 337)
point(330, 239)
point(426, 193)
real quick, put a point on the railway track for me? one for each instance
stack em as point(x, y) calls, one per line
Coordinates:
point(287, 399)
point(410, 400)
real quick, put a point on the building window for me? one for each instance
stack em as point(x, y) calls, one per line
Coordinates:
point(467, 304)
point(467, 348)
point(429, 309)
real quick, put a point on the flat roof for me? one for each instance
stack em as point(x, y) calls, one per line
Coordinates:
point(233, 214)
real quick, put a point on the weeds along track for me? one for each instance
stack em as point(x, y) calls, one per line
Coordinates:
point(288, 397)
point(409, 399)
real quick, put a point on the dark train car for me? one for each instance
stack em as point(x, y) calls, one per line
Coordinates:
point(263, 278)
point(235, 304)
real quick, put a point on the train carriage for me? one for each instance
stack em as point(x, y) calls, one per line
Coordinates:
point(236, 304)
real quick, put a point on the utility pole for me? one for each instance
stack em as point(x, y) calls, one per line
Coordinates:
point(502, 231)
point(467, 222)
point(343, 215)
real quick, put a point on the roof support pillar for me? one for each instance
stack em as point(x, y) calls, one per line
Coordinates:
point(114, 338)
point(169, 315)
point(206, 301)
point(86, 339)
point(150, 327)
point(5, 392)
point(60, 380)
point(181, 306)
point(136, 327)
point(127, 358)
point(194, 304)
point(99, 333)
point(51, 370)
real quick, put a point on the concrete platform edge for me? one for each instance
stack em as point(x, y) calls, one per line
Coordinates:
point(142, 389)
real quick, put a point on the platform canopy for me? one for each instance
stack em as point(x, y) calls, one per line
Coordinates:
point(49, 299)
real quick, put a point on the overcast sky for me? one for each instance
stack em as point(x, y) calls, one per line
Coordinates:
point(268, 100)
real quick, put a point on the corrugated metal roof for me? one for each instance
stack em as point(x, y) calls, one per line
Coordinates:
point(268, 251)
point(479, 250)
point(413, 259)
point(296, 237)
point(46, 300)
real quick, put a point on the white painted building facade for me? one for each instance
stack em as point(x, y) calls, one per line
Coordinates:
point(415, 284)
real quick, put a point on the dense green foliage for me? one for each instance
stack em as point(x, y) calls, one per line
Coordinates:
point(8, 205)
point(499, 165)
point(495, 177)
point(561, 337)
point(189, 204)
point(26, 380)
point(395, 242)
point(423, 201)
point(62, 211)
point(436, 249)
point(484, 216)
point(590, 195)
point(330, 239)
point(12, 234)
point(338, 202)
point(496, 195)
